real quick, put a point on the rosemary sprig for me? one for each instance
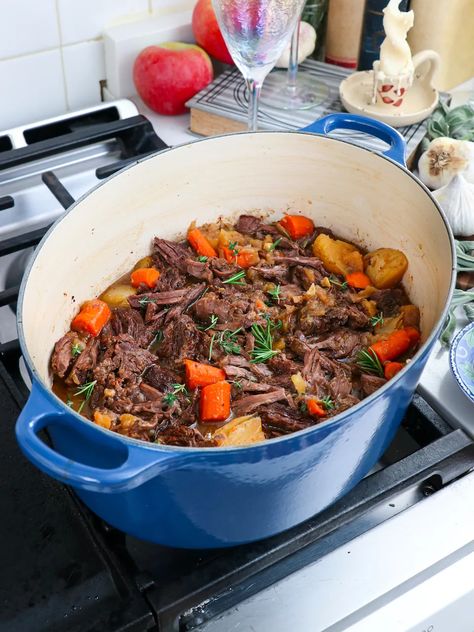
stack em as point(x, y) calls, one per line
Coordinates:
point(211, 346)
point(237, 384)
point(327, 403)
point(228, 342)
point(274, 245)
point(275, 293)
point(76, 350)
point(145, 300)
point(377, 320)
point(69, 402)
point(170, 398)
point(157, 339)
point(202, 258)
point(86, 390)
point(235, 279)
point(303, 407)
point(233, 248)
point(334, 281)
point(213, 323)
point(263, 349)
point(369, 361)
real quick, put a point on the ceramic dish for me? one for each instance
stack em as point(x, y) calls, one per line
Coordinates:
point(461, 359)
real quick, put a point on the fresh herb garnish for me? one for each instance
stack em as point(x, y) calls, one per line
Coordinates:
point(227, 341)
point(170, 398)
point(69, 403)
point(237, 384)
point(334, 281)
point(158, 337)
point(145, 300)
point(233, 248)
point(303, 407)
point(202, 258)
point(86, 390)
point(377, 320)
point(76, 350)
point(275, 293)
point(274, 244)
point(235, 278)
point(211, 345)
point(327, 403)
point(263, 349)
point(212, 324)
point(369, 361)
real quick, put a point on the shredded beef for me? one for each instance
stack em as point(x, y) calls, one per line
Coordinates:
point(135, 367)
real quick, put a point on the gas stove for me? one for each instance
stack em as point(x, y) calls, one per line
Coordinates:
point(395, 554)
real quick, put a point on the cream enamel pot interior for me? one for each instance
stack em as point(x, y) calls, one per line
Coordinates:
point(193, 497)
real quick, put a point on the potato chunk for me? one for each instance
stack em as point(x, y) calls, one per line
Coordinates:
point(240, 431)
point(385, 267)
point(116, 295)
point(339, 257)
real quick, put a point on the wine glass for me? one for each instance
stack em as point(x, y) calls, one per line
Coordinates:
point(256, 32)
point(294, 89)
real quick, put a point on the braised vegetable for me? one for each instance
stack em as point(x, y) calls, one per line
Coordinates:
point(145, 276)
point(337, 256)
point(315, 408)
point(240, 431)
point(357, 280)
point(215, 402)
point(297, 226)
point(243, 258)
point(92, 317)
point(198, 374)
point(385, 267)
point(397, 343)
point(116, 295)
point(391, 369)
point(200, 243)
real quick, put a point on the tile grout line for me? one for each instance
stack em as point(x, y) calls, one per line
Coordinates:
point(50, 49)
point(61, 52)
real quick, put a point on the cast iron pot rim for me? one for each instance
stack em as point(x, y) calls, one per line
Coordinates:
point(337, 419)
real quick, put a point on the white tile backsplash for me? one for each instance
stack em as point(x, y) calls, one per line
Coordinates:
point(86, 19)
point(32, 88)
point(84, 67)
point(27, 26)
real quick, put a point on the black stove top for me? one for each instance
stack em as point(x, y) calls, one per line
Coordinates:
point(63, 569)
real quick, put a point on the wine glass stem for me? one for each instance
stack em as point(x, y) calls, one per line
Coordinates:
point(293, 64)
point(254, 88)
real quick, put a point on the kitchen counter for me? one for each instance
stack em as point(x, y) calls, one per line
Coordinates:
point(437, 384)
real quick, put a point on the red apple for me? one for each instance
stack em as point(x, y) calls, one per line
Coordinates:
point(207, 32)
point(168, 75)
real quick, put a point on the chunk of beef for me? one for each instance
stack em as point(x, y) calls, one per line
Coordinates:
point(316, 317)
point(326, 376)
point(255, 227)
point(85, 362)
point(171, 253)
point(182, 339)
point(198, 269)
point(342, 343)
point(389, 301)
point(183, 436)
point(160, 378)
point(222, 269)
point(308, 262)
point(279, 419)
point(158, 298)
point(170, 279)
point(62, 354)
point(298, 344)
point(277, 273)
point(283, 368)
point(130, 321)
point(370, 383)
point(249, 403)
point(211, 304)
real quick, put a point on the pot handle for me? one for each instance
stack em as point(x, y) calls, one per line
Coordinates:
point(137, 467)
point(364, 124)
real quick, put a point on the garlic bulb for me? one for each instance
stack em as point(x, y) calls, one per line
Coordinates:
point(306, 45)
point(457, 201)
point(443, 159)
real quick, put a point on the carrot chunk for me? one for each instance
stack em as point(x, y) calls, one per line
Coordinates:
point(198, 374)
point(145, 276)
point(92, 317)
point(215, 402)
point(244, 258)
point(413, 334)
point(200, 243)
point(358, 280)
point(315, 409)
point(391, 369)
point(297, 226)
point(395, 345)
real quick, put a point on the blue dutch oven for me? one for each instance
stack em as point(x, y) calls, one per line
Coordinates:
point(198, 497)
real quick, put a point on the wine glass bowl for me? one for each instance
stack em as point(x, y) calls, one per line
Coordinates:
point(256, 32)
